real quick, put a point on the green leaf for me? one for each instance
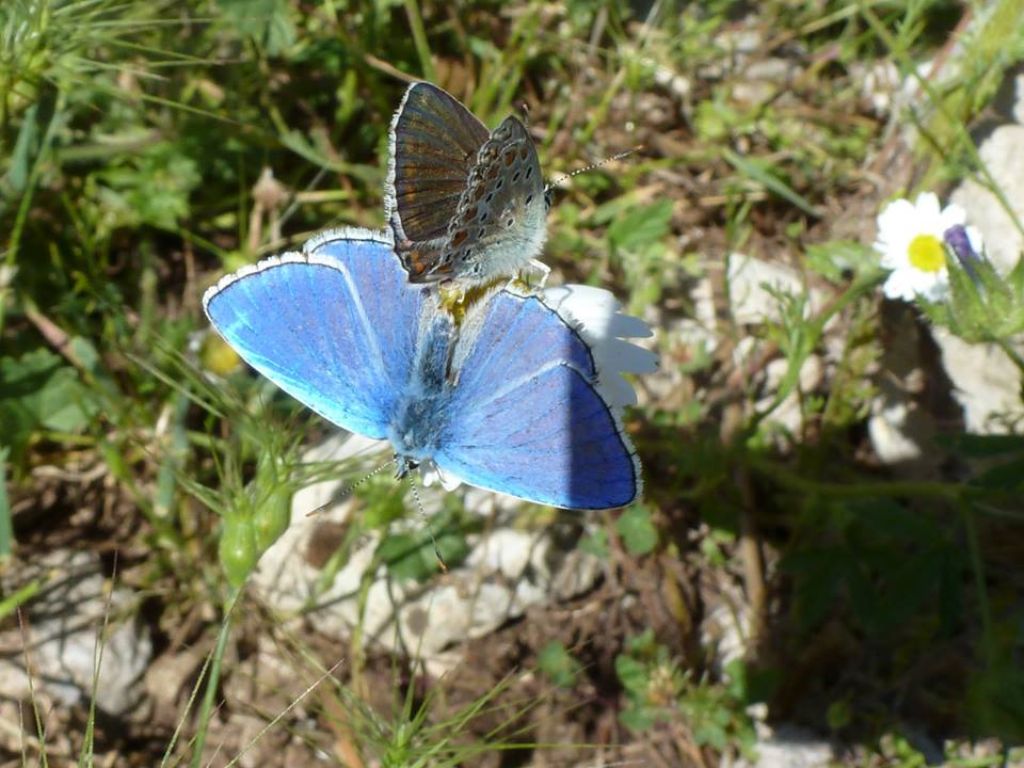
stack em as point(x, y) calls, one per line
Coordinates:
point(987, 446)
point(595, 544)
point(21, 158)
point(412, 555)
point(151, 187)
point(39, 391)
point(995, 701)
point(407, 556)
point(637, 531)
point(758, 170)
point(64, 404)
point(385, 503)
point(641, 226)
point(268, 22)
point(838, 259)
point(558, 664)
point(633, 674)
point(639, 719)
point(297, 143)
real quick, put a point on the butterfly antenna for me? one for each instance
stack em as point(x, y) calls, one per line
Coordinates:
point(419, 505)
point(610, 159)
point(524, 112)
point(351, 488)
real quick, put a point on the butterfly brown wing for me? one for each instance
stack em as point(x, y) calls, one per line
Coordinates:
point(434, 145)
point(499, 223)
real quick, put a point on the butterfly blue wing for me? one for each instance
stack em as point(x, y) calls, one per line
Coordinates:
point(334, 326)
point(526, 418)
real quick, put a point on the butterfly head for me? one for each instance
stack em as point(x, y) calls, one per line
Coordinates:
point(404, 465)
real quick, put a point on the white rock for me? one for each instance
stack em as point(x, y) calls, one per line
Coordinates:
point(1018, 107)
point(1003, 154)
point(751, 282)
point(63, 626)
point(790, 746)
point(727, 630)
point(901, 431)
point(506, 572)
point(987, 384)
point(763, 80)
point(893, 437)
point(788, 415)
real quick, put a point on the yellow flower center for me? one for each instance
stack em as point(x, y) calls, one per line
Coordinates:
point(926, 253)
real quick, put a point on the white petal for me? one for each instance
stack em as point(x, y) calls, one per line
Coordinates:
point(594, 313)
point(976, 240)
point(430, 473)
point(927, 205)
point(898, 286)
point(952, 215)
point(895, 212)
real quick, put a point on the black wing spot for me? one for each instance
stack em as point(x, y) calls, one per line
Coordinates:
point(510, 222)
point(529, 172)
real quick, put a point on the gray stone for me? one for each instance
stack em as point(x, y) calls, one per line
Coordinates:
point(507, 571)
point(987, 383)
point(63, 633)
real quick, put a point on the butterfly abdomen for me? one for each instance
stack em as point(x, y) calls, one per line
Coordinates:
point(415, 431)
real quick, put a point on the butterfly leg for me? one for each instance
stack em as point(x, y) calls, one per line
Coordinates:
point(542, 269)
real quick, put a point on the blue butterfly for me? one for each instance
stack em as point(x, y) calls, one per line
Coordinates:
point(505, 400)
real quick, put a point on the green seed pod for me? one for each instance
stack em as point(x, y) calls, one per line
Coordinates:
point(271, 517)
point(237, 548)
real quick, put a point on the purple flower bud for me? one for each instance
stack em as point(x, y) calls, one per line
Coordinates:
point(959, 241)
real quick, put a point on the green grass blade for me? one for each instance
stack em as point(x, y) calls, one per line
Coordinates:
point(6, 528)
point(770, 182)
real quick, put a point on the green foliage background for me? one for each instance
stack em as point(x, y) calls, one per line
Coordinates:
point(131, 138)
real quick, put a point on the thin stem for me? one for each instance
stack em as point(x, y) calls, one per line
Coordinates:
point(1013, 354)
point(978, 569)
point(212, 682)
point(419, 38)
point(860, 489)
point(6, 527)
point(24, 206)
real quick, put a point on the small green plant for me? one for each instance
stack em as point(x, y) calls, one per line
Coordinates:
point(555, 661)
point(658, 690)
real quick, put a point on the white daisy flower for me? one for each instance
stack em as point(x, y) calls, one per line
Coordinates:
point(594, 312)
point(910, 240)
